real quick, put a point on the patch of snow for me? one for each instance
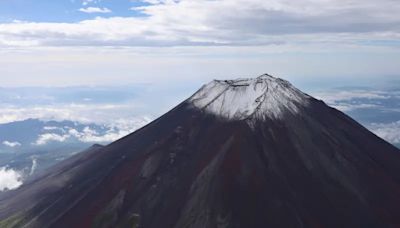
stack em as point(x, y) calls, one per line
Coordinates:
point(260, 98)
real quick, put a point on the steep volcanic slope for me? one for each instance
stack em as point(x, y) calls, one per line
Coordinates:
point(243, 153)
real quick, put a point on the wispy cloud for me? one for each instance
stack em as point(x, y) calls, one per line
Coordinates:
point(343, 95)
point(87, 2)
point(95, 10)
point(34, 166)
point(85, 113)
point(11, 144)
point(353, 99)
point(346, 107)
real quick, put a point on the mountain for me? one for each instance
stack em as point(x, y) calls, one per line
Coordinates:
point(238, 153)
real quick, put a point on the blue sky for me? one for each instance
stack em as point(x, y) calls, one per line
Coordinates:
point(63, 10)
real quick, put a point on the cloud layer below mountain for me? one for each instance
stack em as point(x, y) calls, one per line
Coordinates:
point(378, 110)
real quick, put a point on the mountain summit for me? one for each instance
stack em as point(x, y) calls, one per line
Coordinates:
point(240, 99)
point(237, 154)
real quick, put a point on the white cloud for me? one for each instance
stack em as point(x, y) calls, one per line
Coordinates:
point(9, 179)
point(11, 144)
point(344, 99)
point(34, 166)
point(51, 128)
point(91, 136)
point(114, 131)
point(374, 100)
point(87, 2)
point(222, 22)
point(95, 10)
point(346, 107)
point(85, 113)
point(340, 95)
point(388, 131)
point(50, 137)
point(117, 119)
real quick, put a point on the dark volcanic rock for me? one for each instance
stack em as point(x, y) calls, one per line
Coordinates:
point(307, 165)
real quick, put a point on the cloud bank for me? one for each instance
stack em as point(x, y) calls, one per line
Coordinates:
point(49, 137)
point(9, 179)
point(376, 109)
point(84, 113)
point(111, 132)
point(222, 22)
point(387, 131)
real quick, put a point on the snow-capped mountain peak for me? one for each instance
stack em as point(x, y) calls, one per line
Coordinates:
point(251, 98)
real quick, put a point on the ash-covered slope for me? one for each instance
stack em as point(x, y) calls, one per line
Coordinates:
point(244, 153)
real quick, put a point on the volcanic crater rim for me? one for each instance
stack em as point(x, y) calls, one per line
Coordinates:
point(249, 98)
